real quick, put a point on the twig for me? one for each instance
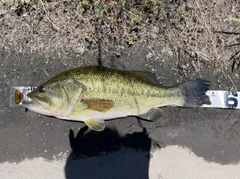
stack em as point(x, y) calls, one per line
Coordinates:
point(43, 70)
point(46, 16)
point(224, 32)
point(202, 55)
point(232, 45)
point(232, 82)
point(234, 58)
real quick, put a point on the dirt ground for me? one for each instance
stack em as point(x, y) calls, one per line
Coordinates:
point(197, 32)
point(176, 40)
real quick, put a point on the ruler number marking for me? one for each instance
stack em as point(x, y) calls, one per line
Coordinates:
point(231, 100)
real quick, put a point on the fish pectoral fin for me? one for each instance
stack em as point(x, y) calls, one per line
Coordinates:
point(152, 115)
point(95, 124)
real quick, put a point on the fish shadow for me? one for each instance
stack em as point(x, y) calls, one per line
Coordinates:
point(106, 154)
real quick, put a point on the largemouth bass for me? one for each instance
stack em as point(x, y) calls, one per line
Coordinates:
point(95, 94)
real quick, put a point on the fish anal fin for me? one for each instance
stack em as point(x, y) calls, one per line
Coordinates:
point(152, 115)
point(101, 105)
point(95, 124)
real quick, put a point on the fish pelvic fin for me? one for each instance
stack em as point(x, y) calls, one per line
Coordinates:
point(152, 115)
point(194, 92)
point(95, 124)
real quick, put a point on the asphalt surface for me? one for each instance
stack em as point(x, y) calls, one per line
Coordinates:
point(185, 143)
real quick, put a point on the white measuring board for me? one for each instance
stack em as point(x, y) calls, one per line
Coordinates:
point(19, 93)
point(223, 99)
point(219, 99)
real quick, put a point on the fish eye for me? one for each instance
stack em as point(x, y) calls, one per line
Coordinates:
point(41, 89)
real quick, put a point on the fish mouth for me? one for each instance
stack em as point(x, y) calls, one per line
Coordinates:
point(36, 102)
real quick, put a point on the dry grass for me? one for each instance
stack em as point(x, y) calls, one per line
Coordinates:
point(206, 32)
point(200, 31)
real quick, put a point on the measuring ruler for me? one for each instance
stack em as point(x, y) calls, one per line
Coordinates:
point(223, 99)
point(219, 99)
point(18, 94)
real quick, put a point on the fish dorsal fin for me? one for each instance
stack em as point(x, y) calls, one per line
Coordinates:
point(146, 75)
point(95, 124)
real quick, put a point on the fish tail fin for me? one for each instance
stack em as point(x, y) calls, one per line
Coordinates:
point(194, 92)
